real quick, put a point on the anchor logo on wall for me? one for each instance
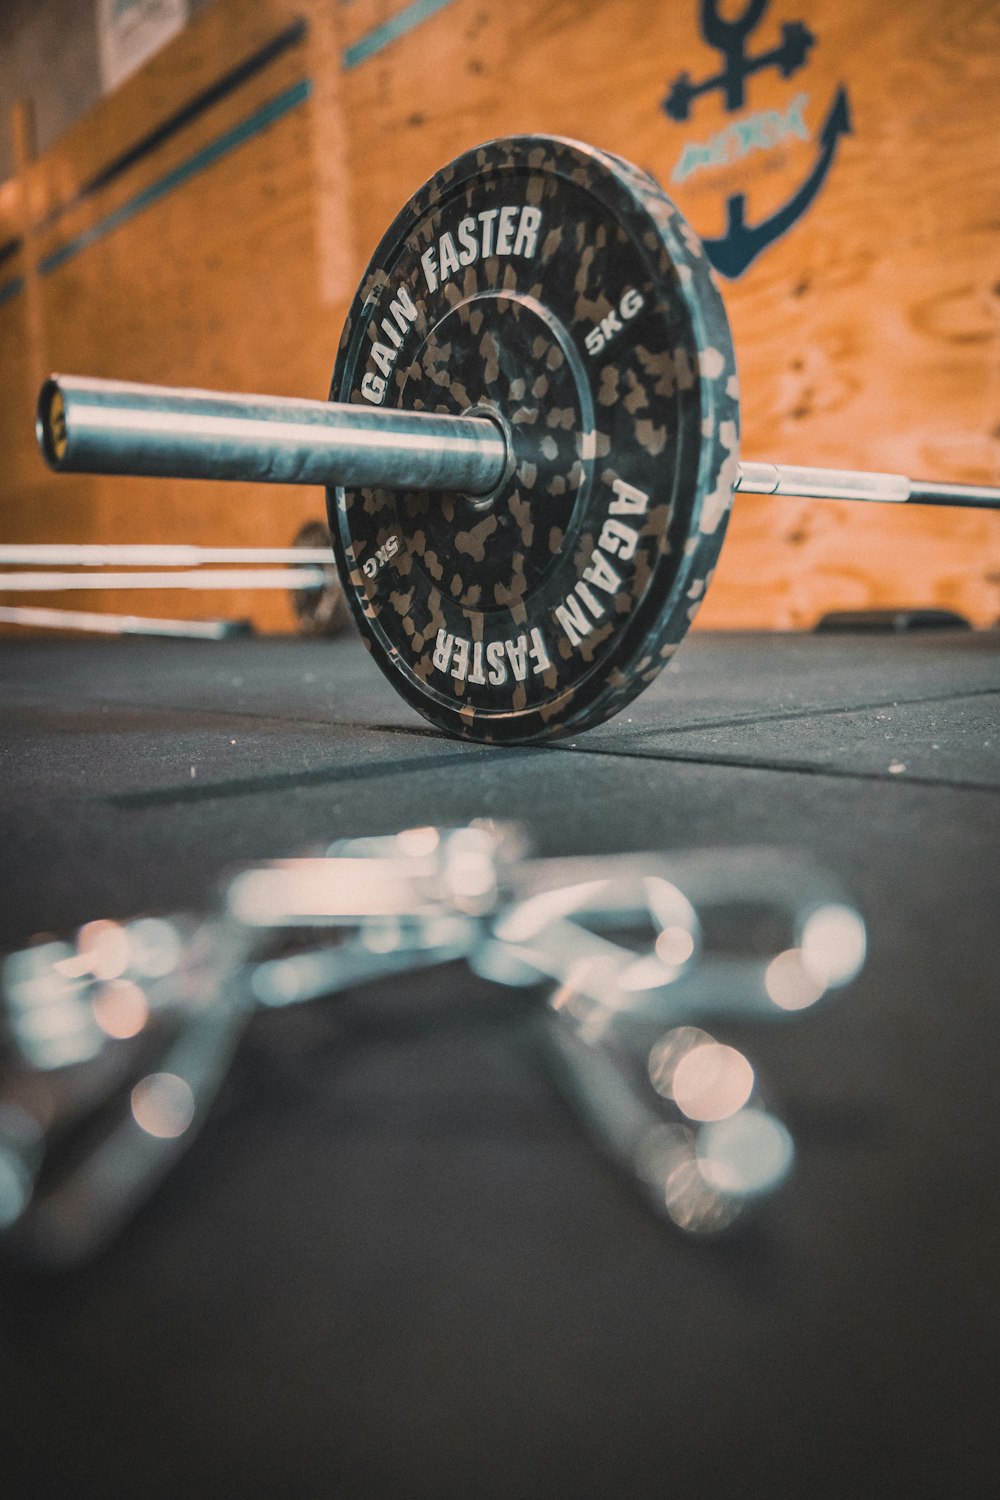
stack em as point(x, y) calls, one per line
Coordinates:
point(742, 242)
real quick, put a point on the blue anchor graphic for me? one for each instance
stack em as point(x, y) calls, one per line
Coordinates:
point(742, 243)
point(729, 38)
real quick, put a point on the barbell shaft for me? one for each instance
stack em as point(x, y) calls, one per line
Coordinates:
point(976, 496)
point(114, 427)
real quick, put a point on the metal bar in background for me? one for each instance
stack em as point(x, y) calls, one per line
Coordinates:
point(106, 624)
point(138, 555)
point(201, 578)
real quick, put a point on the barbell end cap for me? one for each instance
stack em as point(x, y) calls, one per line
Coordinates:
point(50, 423)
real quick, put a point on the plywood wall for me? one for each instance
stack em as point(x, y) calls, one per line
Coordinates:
point(226, 252)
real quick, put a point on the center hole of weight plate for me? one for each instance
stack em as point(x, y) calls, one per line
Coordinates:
point(492, 413)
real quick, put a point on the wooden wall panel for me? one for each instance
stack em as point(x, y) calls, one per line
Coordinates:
point(209, 275)
point(867, 335)
point(19, 360)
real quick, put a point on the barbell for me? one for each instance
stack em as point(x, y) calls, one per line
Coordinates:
point(530, 446)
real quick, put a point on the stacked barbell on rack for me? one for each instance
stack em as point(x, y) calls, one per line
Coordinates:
point(305, 569)
point(530, 448)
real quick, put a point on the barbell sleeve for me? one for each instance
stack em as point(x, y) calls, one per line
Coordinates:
point(115, 427)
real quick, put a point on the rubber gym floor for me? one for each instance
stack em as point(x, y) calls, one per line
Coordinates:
point(392, 1263)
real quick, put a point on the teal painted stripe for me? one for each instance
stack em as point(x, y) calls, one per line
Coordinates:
point(390, 31)
point(11, 289)
point(268, 113)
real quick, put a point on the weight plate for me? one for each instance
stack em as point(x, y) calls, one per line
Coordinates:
point(558, 288)
point(322, 611)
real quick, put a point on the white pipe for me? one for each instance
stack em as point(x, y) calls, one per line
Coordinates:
point(136, 555)
point(103, 624)
point(200, 578)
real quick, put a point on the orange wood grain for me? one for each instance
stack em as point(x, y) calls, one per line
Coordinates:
point(216, 284)
point(867, 336)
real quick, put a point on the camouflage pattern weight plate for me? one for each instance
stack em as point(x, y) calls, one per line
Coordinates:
point(557, 289)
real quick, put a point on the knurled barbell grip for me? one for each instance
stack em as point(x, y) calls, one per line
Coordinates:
point(115, 427)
